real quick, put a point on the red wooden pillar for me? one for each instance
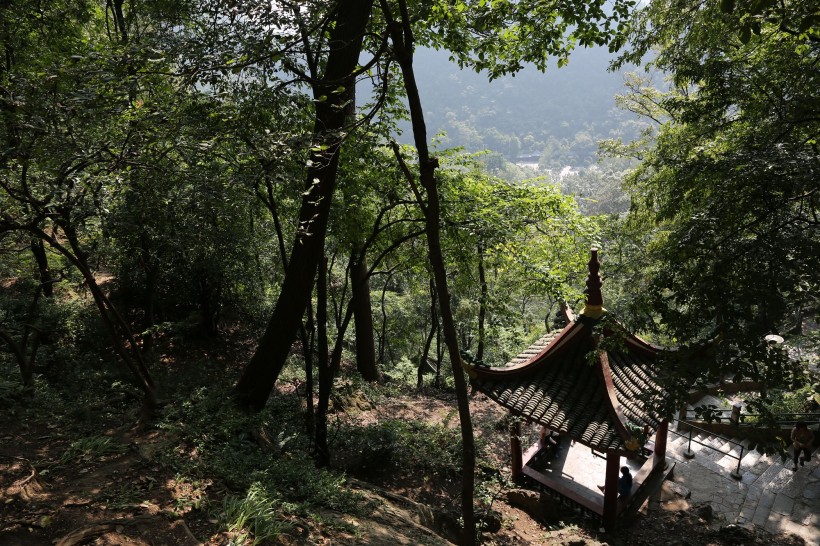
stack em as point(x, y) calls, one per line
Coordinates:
point(613, 466)
point(660, 443)
point(516, 456)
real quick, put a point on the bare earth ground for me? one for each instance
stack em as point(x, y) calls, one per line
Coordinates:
point(49, 495)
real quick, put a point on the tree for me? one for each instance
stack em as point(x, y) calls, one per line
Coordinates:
point(64, 121)
point(401, 34)
point(510, 242)
point(20, 332)
point(332, 91)
point(376, 217)
point(426, 190)
point(493, 36)
point(727, 188)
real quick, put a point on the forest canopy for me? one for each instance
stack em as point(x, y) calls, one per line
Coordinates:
point(194, 169)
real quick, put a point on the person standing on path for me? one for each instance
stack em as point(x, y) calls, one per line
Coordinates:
point(802, 438)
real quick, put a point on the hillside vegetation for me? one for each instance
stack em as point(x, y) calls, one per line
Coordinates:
point(213, 243)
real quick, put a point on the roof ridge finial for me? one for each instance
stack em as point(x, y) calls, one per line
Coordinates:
point(594, 307)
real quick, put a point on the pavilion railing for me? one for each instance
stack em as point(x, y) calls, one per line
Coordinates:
point(689, 454)
point(566, 501)
point(556, 491)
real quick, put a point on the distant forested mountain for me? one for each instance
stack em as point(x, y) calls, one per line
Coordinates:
point(554, 118)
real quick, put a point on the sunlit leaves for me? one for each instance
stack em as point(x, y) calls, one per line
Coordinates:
point(532, 237)
point(729, 178)
point(502, 36)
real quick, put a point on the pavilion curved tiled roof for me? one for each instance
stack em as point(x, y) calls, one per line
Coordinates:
point(596, 387)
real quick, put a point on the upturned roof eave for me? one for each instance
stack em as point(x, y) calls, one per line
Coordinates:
point(572, 334)
point(613, 407)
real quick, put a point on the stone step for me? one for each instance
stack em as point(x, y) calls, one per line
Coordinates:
point(721, 448)
point(714, 455)
point(751, 457)
point(714, 441)
point(675, 442)
point(764, 462)
point(719, 454)
point(769, 495)
point(747, 511)
point(768, 475)
point(747, 444)
point(700, 444)
point(704, 438)
point(764, 507)
point(732, 446)
point(722, 452)
point(729, 461)
point(681, 442)
point(707, 463)
point(710, 400)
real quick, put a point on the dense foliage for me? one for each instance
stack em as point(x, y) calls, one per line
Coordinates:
point(183, 170)
point(724, 201)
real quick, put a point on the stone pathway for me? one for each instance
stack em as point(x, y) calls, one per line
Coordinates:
point(769, 494)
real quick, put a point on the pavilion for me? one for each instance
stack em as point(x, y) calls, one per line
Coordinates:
point(593, 383)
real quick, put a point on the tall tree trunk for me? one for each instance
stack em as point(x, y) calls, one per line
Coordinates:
point(345, 44)
point(383, 336)
point(402, 37)
point(363, 318)
point(307, 354)
point(306, 329)
point(482, 303)
point(342, 322)
point(325, 369)
point(429, 340)
point(149, 309)
point(38, 249)
point(122, 339)
point(439, 354)
point(25, 363)
point(149, 298)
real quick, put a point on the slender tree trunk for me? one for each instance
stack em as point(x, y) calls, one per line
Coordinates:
point(482, 304)
point(342, 322)
point(19, 351)
point(439, 354)
point(149, 309)
point(25, 351)
point(29, 343)
point(363, 318)
point(325, 370)
point(450, 339)
point(210, 297)
point(306, 329)
point(345, 44)
point(122, 339)
point(383, 336)
point(307, 350)
point(149, 299)
point(402, 38)
point(40, 256)
point(429, 340)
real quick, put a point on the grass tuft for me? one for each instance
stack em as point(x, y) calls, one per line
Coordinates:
point(90, 448)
